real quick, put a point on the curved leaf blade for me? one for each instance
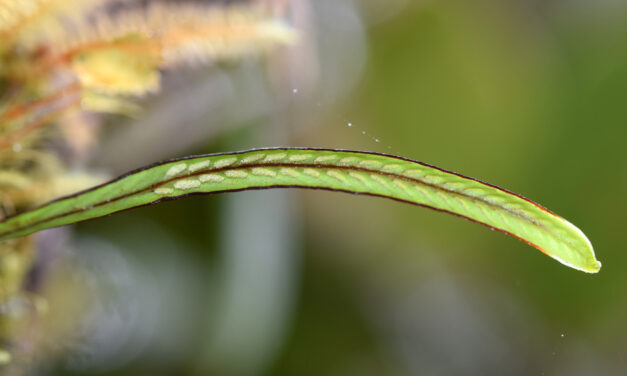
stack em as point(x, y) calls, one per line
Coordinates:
point(337, 170)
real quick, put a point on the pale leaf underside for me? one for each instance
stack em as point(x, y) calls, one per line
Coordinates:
point(336, 170)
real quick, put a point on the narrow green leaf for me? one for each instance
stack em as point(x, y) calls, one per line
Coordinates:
point(337, 170)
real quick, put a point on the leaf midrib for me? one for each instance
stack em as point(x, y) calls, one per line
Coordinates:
point(290, 165)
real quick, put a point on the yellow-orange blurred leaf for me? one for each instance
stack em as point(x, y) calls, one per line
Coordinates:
point(129, 66)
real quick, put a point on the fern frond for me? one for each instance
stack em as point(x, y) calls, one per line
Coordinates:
point(27, 22)
point(196, 35)
point(183, 32)
point(127, 66)
point(14, 13)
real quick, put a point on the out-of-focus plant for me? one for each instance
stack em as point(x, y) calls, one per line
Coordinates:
point(62, 58)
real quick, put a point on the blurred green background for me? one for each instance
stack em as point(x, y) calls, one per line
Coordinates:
point(528, 95)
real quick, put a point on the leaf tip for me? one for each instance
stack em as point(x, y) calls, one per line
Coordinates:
point(577, 251)
point(594, 267)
